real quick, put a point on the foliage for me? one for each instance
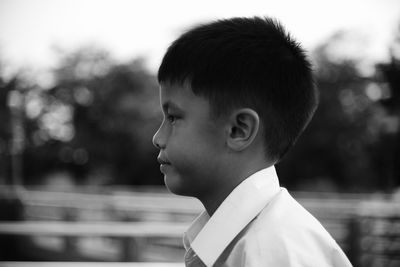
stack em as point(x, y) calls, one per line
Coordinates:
point(340, 148)
point(5, 133)
point(97, 121)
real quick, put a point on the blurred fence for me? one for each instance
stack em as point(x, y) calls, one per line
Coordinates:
point(132, 236)
point(375, 234)
point(89, 264)
point(147, 226)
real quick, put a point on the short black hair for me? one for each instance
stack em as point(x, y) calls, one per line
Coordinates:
point(247, 62)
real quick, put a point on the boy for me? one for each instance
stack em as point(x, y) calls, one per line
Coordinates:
point(235, 95)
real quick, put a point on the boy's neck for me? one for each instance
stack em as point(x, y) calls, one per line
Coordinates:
point(214, 199)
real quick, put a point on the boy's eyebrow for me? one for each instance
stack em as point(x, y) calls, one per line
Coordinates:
point(167, 105)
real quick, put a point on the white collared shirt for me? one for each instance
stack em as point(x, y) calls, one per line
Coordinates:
point(260, 224)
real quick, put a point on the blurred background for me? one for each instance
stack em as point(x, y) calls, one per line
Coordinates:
point(79, 180)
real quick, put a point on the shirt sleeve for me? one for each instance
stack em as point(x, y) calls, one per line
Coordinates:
point(339, 259)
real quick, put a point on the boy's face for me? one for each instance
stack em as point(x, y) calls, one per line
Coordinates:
point(190, 142)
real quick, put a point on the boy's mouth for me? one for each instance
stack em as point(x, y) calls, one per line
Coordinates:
point(163, 161)
point(164, 164)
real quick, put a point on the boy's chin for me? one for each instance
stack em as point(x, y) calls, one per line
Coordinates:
point(174, 185)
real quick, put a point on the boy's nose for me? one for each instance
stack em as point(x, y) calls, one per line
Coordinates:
point(157, 140)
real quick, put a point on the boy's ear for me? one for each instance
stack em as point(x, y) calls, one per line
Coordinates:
point(243, 128)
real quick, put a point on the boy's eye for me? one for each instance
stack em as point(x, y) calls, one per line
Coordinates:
point(171, 118)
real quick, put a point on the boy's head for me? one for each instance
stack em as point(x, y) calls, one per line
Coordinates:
point(247, 63)
point(230, 86)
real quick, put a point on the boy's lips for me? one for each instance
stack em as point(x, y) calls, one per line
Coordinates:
point(164, 164)
point(163, 161)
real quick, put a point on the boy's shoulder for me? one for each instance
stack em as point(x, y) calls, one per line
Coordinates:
point(284, 213)
point(286, 220)
point(284, 233)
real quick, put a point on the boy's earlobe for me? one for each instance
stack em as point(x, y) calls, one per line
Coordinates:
point(244, 126)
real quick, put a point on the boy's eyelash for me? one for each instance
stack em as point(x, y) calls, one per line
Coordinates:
point(171, 118)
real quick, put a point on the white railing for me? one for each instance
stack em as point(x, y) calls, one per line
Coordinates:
point(90, 264)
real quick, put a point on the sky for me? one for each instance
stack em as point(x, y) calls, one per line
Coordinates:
point(31, 29)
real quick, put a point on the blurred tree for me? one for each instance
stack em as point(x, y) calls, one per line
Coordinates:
point(5, 132)
point(12, 90)
point(334, 153)
point(389, 156)
point(96, 122)
point(98, 119)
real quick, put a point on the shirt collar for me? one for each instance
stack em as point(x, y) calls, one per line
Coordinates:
point(240, 207)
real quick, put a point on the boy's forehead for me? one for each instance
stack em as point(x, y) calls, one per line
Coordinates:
point(181, 97)
point(170, 91)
